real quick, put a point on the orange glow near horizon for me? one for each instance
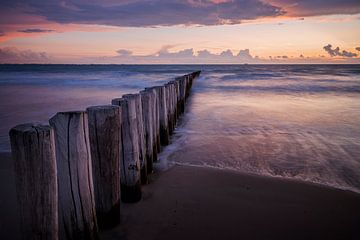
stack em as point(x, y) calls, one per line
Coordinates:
point(284, 38)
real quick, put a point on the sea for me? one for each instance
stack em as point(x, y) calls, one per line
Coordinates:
point(289, 121)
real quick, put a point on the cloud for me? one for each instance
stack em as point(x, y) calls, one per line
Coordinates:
point(14, 55)
point(280, 57)
point(164, 55)
point(147, 13)
point(186, 53)
point(336, 52)
point(317, 7)
point(124, 52)
point(245, 54)
point(204, 54)
point(357, 49)
point(150, 13)
point(35, 30)
point(227, 54)
point(2, 33)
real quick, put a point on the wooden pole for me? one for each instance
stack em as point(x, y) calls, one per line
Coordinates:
point(106, 154)
point(156, 122)
point(33, 152)
point(130, 162)
point(174, 102)
point(77, 217)
point(141, 135)
point(157, 117)
point(187, 87)
point(147, 100)
point(177, 98)
point(182, 93)
point(169, 107)
point(163, 117)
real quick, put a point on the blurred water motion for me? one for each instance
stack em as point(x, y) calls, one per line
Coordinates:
point(300, 123)
point(296, 121)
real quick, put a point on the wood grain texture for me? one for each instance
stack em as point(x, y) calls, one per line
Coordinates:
point(156, 122)
point(181, 81)
point(141, 134)
point(130, 163)
point(163, 116)
point(148, 107)
point(33, 153)
point(77, 216)
point(157, 118)
point(168, 107)
point(106, 154)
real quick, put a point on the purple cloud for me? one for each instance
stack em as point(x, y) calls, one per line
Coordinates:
point(227, 54)
point(318, 7)
point(35, 30)
point(204, 54)
point(336, 52)
point(138, 13)
point(186, 53)
point(245, 54)
point(124, 52)
point(187, 56)
point(147, 13)
point(14, 55)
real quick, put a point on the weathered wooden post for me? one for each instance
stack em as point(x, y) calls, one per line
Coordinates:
point(157, 117)
point(33, 153)
point(106, 154)
point(174, 102)
point(173, 86)
point(163, 117)
point(182, 93)
point(156, 121)
point(177, 87)
point(187, 84)
point(130, 162)
point(177, 99)
point(77, 217)
point(168, 107)
point(148, 107)
point(141, 135)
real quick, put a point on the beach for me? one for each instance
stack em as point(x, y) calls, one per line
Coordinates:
point(188, 202)
point(261, 152)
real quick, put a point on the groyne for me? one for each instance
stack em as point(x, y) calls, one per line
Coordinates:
point(73, 174)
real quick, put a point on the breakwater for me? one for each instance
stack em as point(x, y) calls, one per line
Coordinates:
point(72, 174)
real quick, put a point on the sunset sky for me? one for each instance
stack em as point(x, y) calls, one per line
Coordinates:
point(180, 31)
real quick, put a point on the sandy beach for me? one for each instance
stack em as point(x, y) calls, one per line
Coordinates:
point(202, 203)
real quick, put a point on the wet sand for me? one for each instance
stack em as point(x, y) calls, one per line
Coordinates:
point(202, 203)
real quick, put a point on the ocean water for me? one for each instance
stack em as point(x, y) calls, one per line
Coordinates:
point(292, 121)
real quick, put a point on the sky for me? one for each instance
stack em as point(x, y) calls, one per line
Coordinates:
point(179, 31)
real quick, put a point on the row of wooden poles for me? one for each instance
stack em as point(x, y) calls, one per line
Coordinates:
point(72, 175)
